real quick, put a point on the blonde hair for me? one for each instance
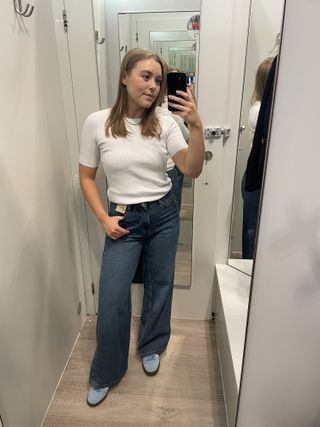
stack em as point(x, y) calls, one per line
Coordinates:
point(261, 79)
point(163, 93)
point(150, 126)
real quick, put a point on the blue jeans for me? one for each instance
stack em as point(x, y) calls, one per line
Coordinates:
point(154, 231)
point(176, 177)
point(251, 203)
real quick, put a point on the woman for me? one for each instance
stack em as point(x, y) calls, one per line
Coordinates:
point(251, 199)
point(260, 83)
point(175, 175)
point(132, 140)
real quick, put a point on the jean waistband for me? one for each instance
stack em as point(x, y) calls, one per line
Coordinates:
point(144, 205)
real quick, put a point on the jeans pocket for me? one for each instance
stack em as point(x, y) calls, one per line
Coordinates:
point(113, 212)
point(130, 221)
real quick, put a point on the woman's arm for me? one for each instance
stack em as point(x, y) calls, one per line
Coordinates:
point(91, 194)
point(189, 160)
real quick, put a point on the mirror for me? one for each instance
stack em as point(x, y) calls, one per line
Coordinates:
point(262, 47)
point(175, 37)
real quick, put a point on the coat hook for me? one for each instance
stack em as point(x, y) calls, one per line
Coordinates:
point(276, 44)
point(97, 38)
point(17, 4)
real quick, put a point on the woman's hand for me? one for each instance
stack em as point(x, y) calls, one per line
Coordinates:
point(189, 160)
point(186, 107)
point(111, 226)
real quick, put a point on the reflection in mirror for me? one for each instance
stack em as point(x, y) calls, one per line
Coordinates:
point(262, 49)
point(175, 37)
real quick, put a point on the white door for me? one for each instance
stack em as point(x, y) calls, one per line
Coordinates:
point(77, 60)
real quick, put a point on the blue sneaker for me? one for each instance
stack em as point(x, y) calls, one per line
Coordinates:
point(151, 364)
point(96, 395)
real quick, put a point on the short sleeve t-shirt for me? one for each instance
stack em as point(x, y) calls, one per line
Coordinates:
point(253, 118)
point(135, 166)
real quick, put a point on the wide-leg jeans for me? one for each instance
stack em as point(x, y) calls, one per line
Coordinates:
point(154, 231)
point(176, 177)
point(251, 204)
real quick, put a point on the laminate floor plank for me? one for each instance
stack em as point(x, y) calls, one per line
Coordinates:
point(182, 274)
point(187, 390)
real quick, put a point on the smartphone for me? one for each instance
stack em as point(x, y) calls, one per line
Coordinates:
point(176, 81)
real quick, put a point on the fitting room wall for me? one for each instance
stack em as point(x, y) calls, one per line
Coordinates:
point(41, 272)
point(281, 377)
point(40, 266)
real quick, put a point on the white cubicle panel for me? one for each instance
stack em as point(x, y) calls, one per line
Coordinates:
point(281, 377)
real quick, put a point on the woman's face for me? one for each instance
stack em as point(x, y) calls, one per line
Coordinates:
point(143, 86)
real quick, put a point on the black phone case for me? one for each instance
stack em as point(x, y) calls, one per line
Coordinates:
point(176, 81)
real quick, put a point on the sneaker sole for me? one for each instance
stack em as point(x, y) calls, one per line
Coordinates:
point(151, 374)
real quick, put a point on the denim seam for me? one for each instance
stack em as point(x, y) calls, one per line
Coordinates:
point(148, 289)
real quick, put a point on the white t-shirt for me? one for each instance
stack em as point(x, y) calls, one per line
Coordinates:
point(184, 130)
point(135, 166)
point(253, 118)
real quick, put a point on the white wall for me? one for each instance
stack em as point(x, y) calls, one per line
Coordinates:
point(224, 109)
point(281, 376)
point(221, 66)
point(100, 26)
point(39, 252)
point(79, 76)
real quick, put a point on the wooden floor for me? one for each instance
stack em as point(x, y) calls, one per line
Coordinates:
point(182, 274)
point(186, 392)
